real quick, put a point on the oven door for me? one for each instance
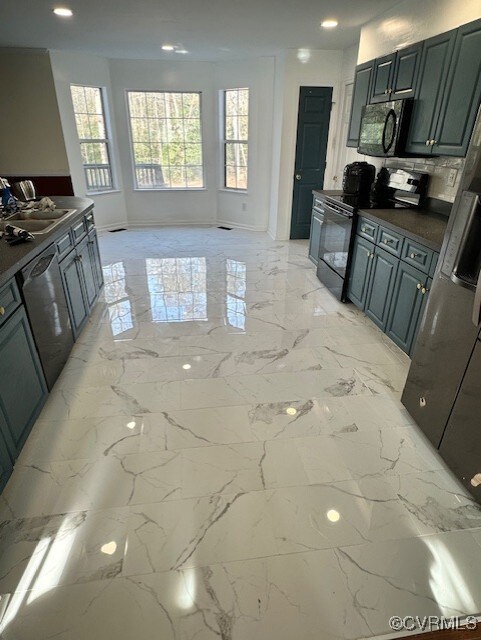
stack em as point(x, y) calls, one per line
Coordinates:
point(334, 247)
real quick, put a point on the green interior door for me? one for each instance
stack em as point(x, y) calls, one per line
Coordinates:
point(312, 131)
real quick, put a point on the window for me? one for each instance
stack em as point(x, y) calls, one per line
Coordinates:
point(88, 106)
point(236, 135)
point(166, 139)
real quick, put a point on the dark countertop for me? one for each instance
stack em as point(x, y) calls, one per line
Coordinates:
point(13, 259)
point(423, 226)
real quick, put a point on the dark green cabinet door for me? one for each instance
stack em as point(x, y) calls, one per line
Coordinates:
point(382, 77)
point(360, 97)
point(381, 281)
point(406, 306)
point(431, 84)
point(22, 386)
point(406, 72)
point(72, 280)
point(314, 238)
point(87, 267)
point(6, 464)
point(462, 95)
point(362, 255)
point(97, 262)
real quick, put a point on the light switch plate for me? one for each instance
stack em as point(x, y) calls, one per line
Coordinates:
point(452, 175)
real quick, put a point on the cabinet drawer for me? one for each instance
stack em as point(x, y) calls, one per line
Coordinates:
point(417, 255)
point(79, 230)
point(64, 245)
point(391, 241)
point(89, 221)
point(367, 229)
point(9, 300)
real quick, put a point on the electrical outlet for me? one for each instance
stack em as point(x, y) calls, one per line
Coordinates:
point(452, 177)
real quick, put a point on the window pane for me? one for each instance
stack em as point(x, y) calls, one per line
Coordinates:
point(94, 153)
point(243, 104)
point(97, 127)
point(236, 154)
point(242, 177)
point(243, 124)
point(230, 178)
point(83, 125)
point(137, 104)
point(90, 121)
point(166, 136)
point(231, 103)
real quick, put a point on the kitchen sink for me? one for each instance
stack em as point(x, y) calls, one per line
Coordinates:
point(36, 222)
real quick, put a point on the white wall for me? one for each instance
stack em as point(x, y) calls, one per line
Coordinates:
point(167, 207)
point(250, 210)
point(322, 69)
point(412, 21)
point(74, 68)
point(30, 129)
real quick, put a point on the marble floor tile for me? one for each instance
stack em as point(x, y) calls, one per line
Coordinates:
point(225, 456)
point(66, 548)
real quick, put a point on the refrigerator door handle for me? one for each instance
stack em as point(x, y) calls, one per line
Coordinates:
point(477, 302)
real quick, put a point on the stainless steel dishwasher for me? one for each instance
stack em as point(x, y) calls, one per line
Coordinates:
point(48, 313)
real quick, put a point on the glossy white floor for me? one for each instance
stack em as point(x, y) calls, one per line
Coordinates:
point(225, 456)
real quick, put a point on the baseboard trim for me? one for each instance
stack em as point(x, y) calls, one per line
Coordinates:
point(109, 227)
point(243, 227)
point(143, 224)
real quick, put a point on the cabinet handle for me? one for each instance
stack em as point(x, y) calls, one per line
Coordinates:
point(298, 176)
point(432, 142)
point(2, 311)
point(424, 290)
point(364, 229)
point(388, 241)
point(372, 256)
point(386, 91)
point(413, 256)
point(428, 142)
point(419, 286)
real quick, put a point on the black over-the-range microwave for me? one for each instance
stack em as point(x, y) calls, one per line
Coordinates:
point(384, 128)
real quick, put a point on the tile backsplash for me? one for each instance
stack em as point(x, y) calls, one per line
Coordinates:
point(438, 169)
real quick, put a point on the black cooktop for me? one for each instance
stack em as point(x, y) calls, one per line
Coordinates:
point(355, 203)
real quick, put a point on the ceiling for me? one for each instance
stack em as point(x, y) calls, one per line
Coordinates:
point(208, 29)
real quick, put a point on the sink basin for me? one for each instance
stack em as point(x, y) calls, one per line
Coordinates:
point(36, 222)
point(34, 226)
point(41, 215)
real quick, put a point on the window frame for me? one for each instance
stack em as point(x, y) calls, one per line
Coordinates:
point(225, 142)
point(131, 142)
point(107, 141)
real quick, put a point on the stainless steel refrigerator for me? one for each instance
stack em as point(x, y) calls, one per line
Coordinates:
point(443, 388)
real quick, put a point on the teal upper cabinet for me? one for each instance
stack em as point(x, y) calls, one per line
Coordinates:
point(406, 72)
point(395, 75)
point(461, 98)
point(382, 76)
point(360, 97)
point(435, 59)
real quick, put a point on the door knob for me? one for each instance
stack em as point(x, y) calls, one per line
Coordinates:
point(298, 176)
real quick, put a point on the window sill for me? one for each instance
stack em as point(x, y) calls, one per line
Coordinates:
point(241, 192)
point(170, 190)
point(103, 193)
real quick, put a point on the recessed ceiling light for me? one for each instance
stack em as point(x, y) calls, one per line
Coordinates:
point(186, 366)
point(63, 12)
point(181, 51)
point(167, 47)
point(329, 24)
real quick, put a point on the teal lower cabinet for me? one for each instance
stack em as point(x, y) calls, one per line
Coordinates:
point(22, 390)
point(95, 258)
point(6, 463)
point(392, 290)
point(89, 277)
point(72, 281)
point(381, 281)
point(406, 305)
point(362, 254)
